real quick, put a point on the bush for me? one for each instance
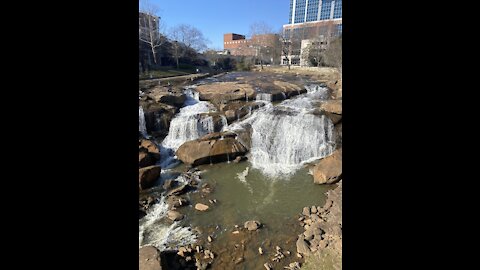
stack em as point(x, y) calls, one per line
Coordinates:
point(244, 65)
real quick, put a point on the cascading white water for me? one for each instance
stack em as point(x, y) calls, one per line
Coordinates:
point(141, 121)
point(282, 142)
point(152, 231)
point(189, 124)
point(264, 97)
point(286, 136)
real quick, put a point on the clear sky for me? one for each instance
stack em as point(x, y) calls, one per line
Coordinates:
point(217, 17)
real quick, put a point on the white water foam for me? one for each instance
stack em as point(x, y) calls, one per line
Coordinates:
point(141, 122)
point(242, 176)
point(286, 136)
point(154, 232)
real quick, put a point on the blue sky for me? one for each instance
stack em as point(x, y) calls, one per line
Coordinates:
point(217, 17)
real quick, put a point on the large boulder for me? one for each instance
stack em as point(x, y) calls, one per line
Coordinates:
point(149, 258)
point(329, 169)
point(211, 148)
point(225, 92)
point(332, 106)
point(158, 117)
point(149, 146)
point(145, 158)
point(148, 175)
point(161, 94)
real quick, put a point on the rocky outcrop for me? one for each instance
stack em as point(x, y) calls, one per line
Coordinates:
point(329, 169)
point(176, 201)
point(150, 147)
point(158, 117)
point(302, 246)
point(161, 94)
point(336, 87)
point(336, 118)
point(147, 176)
point(289, 89)
point(218, 120)
point(149, 258)
point(145, 158)
point(234, 111)
point(212, 148)
point(332, 106)
point(225, 91)
point(322, 238)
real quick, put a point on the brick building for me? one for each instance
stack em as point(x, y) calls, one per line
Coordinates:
point(238, 45)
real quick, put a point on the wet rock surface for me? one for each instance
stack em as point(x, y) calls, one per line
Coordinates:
point(226, 91)
point(149, 258)
point(158, 117)
point(329, 169)
point(212, 148)
point(148, 175)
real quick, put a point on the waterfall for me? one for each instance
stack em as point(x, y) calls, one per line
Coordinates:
point(264, 97)
point(189, 125)
point(224, 122)
point(141, 122)
point(281, 142)
point(288, 135)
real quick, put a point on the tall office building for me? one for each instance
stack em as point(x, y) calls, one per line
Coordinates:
point(312, 19)
point(302, 11)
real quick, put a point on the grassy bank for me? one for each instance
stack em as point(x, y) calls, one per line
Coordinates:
point(165, 72)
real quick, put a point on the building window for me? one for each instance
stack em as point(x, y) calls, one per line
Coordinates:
point(300, 11)
point(312, 10)
point(326, 9)
point(290, 14)
point(337, 12)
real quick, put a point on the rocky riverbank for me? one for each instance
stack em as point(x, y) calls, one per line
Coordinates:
point(321, 242)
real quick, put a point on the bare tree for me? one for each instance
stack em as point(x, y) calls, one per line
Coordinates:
point(318, 36)
point(286, 45)
point(290, 41)
point(149, 28)
point(186, 37)
point(333, 54)
point(263, 40)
